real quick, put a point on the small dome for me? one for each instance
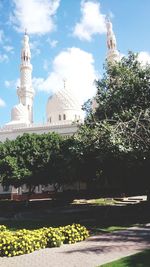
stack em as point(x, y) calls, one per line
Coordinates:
point(19, 113)
point(63, 104)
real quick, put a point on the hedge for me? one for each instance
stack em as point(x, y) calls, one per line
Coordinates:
point(26, 241)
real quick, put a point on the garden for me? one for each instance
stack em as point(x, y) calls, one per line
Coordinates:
point(110, 154)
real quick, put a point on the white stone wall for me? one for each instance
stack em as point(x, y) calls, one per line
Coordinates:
point(60, 116)
point(12, 133)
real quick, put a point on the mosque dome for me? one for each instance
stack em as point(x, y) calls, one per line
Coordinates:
point(63, 106)
point(19, 113)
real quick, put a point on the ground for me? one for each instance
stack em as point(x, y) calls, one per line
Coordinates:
point(100, 219)
point(92, 252)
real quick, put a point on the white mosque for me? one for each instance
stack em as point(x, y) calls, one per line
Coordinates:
point(63, 110)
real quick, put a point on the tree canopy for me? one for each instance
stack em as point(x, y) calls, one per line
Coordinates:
point(110, 151)
point(124, 90)
point(28, 159)
point(121, 120)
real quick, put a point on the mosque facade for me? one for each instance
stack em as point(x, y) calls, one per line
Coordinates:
point(63, 110)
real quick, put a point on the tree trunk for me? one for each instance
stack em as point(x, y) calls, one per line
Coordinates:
point(31, 190)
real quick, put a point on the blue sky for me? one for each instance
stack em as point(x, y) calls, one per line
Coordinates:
point(68, 41)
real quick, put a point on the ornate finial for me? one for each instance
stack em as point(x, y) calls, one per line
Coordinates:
point(107, 19)
point(64, 80)
point(108, 24)
point(25, 53)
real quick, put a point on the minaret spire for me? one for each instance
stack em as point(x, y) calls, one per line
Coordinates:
point(25, 53)
point(25, 91)
point(112, 54)
point(64, 81)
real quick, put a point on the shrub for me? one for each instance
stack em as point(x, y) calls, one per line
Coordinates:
point(21, 242)
point(26, 241)
point(54, 237)
point(74, 233)
point(3, 228)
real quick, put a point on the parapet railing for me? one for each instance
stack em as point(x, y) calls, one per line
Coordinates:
point(9, 128)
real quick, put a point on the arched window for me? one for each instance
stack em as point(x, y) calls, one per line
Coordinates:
point(59, 117)
point(64, 116)
point(50, 119)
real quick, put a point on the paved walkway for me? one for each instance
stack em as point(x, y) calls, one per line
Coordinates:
point(95, 251)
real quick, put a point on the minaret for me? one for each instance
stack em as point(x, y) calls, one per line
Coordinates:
point(25, 91)
point(112, 54)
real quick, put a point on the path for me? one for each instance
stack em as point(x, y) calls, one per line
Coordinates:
point(94, 251)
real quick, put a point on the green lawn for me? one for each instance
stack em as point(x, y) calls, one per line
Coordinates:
point(97, 218)
point(98, 201)
point(113, 228)
point(141, 259)
point(109, 229)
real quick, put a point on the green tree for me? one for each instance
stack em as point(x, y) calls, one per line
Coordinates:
point(124, 90)
point(123, 97)
point(11, 173)
point(30, 160)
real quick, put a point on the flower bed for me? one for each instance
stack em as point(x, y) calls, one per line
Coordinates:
point(26, 241)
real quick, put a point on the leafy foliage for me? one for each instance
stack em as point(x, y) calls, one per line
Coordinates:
point(30, 159)
point(124, 90)
point(120, 126)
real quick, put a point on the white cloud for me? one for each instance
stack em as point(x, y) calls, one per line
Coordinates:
point(8, 48)
point(7, 83)
point(35, 15)
point(111, 15)
point(144, 57)
point(52, 43)
point(38, 84)
point(12, 83)
point(46, 64)
point(2, 103)
point(77, 67)
point(3, 58)
point(92, 21)
point(35, 48)
point(1, 36)
point(4, 40)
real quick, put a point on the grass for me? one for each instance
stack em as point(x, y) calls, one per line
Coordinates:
point(141, 259)
point(110, 229)
point(98, 202)
point(97, 218)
